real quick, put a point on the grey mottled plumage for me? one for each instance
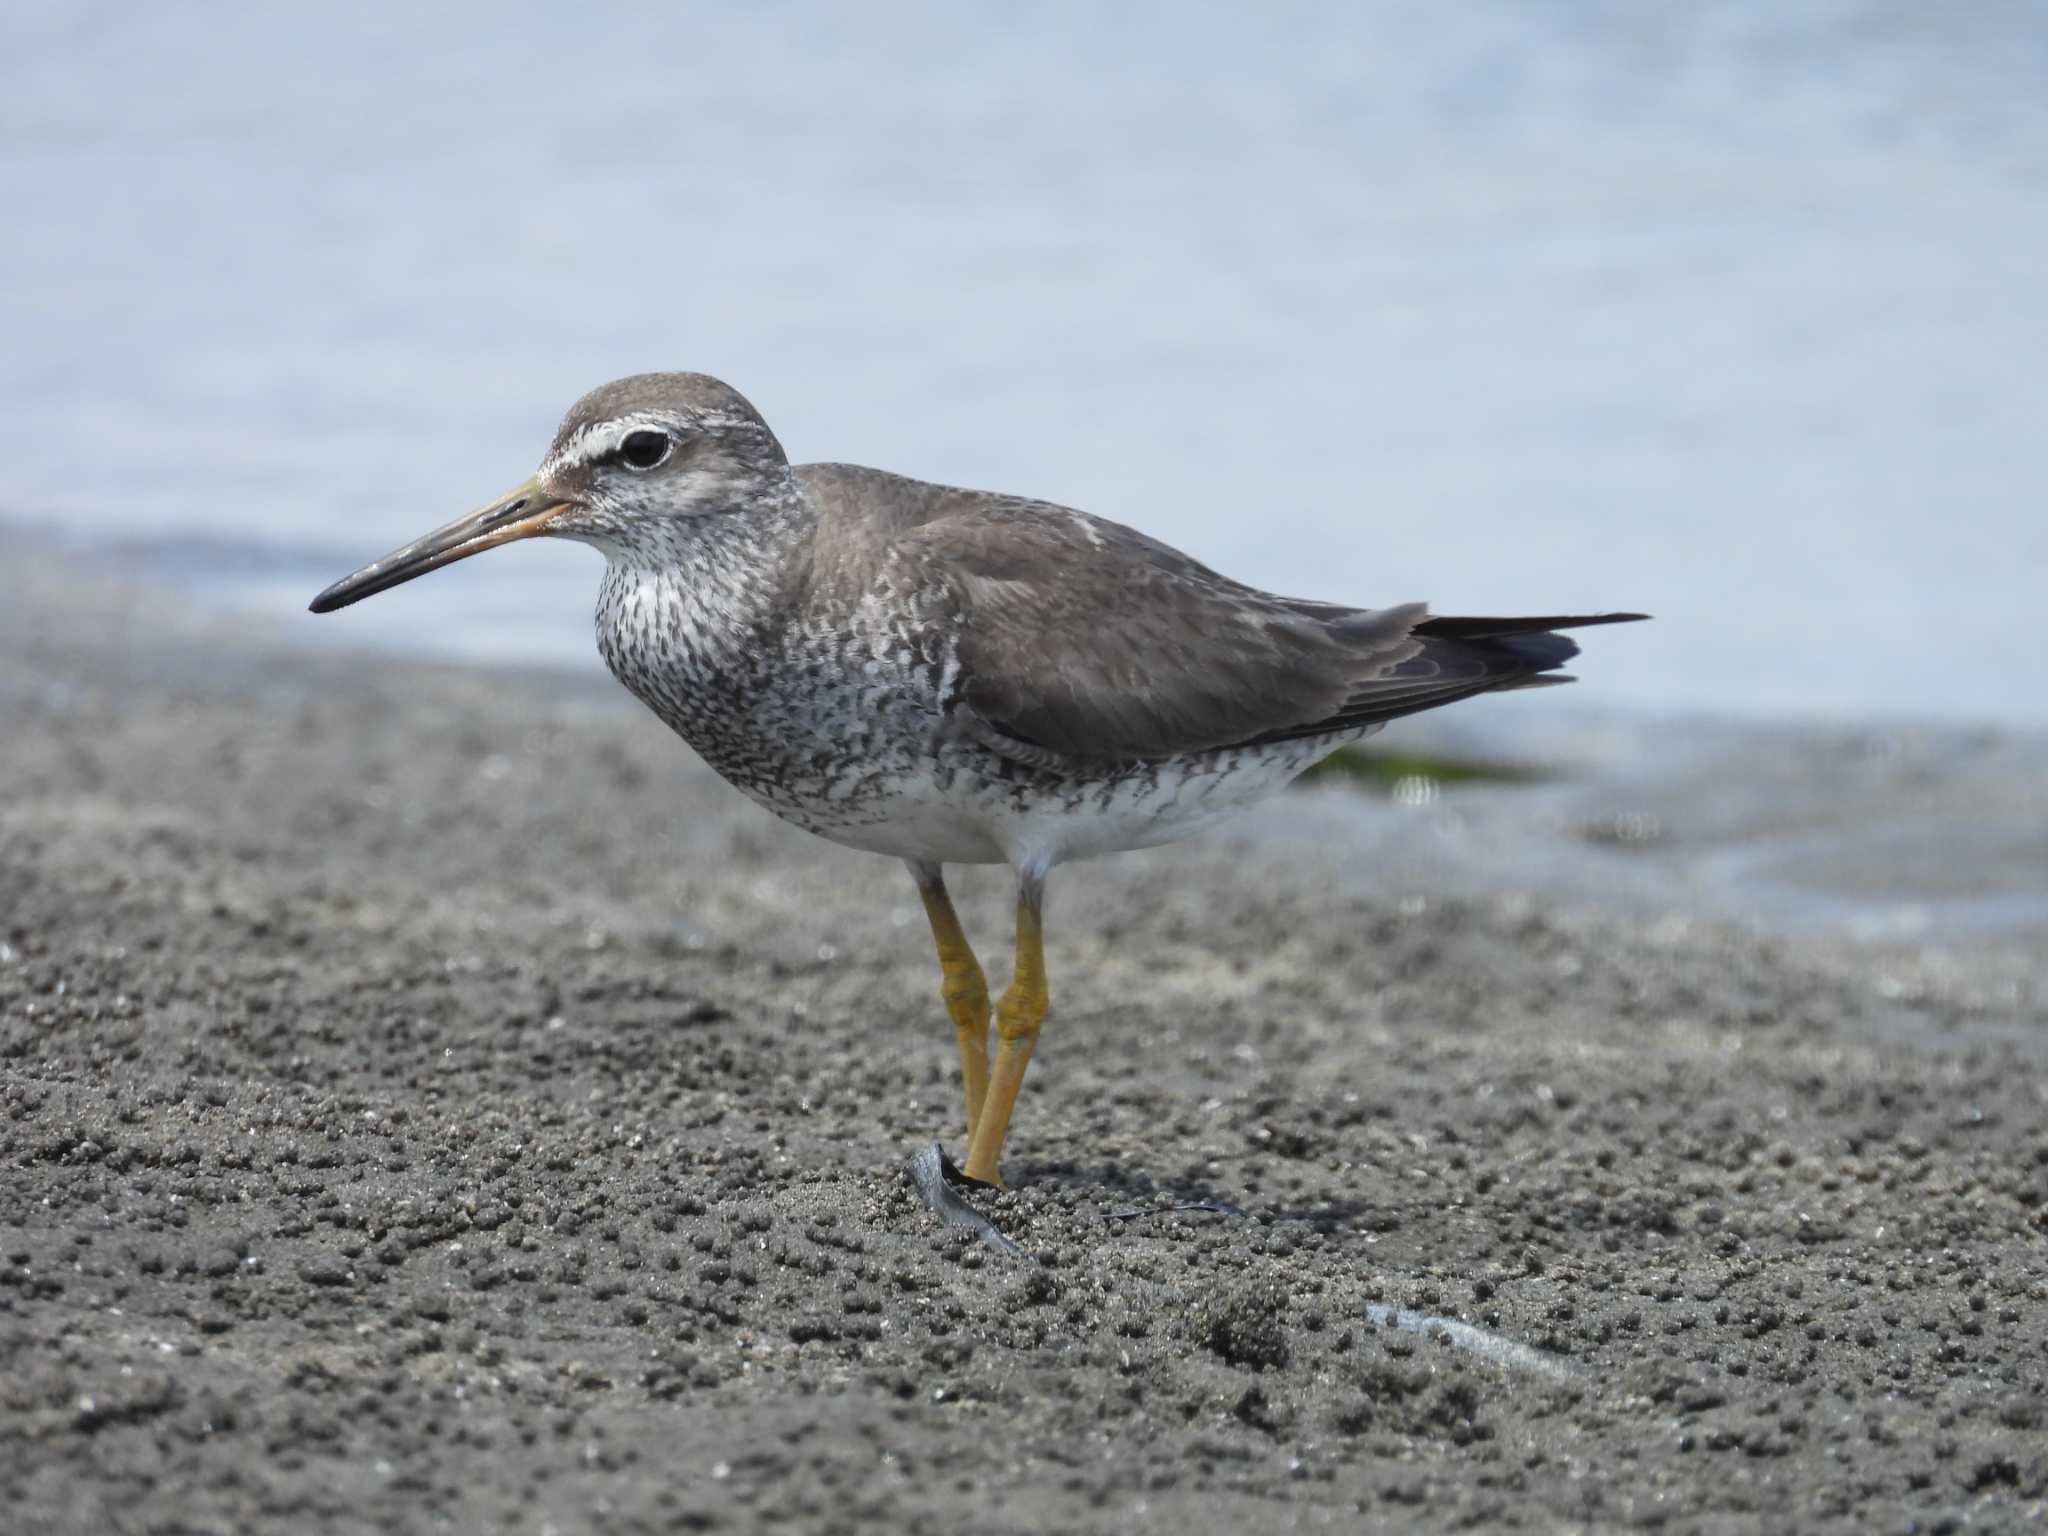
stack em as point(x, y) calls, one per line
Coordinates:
point(948, 675)
point(855, 649)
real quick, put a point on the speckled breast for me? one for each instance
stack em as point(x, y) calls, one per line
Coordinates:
point(827, 728)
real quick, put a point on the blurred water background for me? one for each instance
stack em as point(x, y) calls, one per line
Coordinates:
point(1731, 312)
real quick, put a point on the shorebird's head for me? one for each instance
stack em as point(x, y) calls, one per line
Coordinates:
point(630, 459)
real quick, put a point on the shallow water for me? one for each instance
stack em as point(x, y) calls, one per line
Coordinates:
point(1729, 312)
point(1899, 836)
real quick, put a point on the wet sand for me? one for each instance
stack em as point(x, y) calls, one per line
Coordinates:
point(430, 1100)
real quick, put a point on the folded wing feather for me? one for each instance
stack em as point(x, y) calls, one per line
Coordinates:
point(1089, 640)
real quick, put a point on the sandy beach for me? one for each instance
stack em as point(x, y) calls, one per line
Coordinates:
point(429, 1100)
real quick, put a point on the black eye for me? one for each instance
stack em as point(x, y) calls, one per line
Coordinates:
point(644, 450)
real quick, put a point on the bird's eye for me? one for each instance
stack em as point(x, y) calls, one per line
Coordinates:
point(644, 450)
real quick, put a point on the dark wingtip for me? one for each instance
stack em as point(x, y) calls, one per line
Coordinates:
point(1458, 627)
point(1540, 651)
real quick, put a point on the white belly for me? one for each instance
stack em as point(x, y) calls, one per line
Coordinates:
point(965, 818)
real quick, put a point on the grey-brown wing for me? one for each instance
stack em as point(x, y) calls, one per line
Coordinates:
point(1090, 640)
point(1082, 638)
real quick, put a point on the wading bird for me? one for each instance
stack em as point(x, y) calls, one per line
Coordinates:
point(950, 676)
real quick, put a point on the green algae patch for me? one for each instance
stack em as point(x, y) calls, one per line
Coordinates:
point(1416, 775)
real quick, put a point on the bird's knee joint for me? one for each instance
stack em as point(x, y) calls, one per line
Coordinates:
point(968, 996)
point(1019, 1018)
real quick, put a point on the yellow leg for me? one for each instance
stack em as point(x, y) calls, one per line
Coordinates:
point(1018, 1017)
point(961, 985)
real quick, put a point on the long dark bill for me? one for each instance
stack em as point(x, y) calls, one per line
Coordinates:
point(519, 514)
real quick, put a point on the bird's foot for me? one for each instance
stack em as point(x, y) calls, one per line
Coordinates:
point(938, 1183)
